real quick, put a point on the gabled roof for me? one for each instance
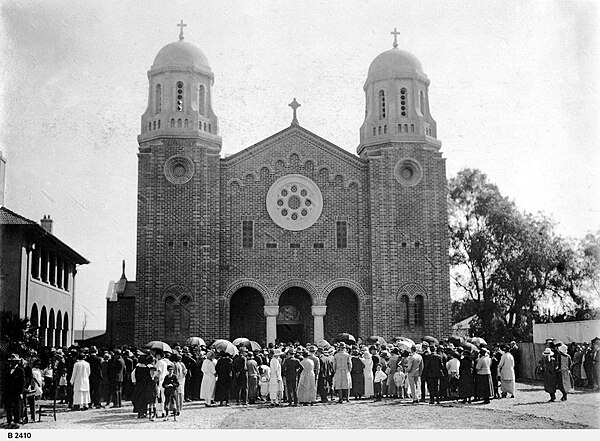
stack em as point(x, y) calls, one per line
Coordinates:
point(294, 130)
point(36, 232)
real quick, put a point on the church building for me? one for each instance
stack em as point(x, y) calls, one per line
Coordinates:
point(293, 238)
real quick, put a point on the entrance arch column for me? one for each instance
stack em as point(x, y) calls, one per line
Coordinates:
point(271, 313)
point(318, 313)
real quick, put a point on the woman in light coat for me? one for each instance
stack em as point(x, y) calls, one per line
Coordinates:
point(209, 379)
point(506, 369)
point(341, 377)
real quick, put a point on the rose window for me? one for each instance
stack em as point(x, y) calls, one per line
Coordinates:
point(294, 202)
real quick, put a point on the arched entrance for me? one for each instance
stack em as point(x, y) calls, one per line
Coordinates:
point(342, 313)
point(295, 320)
point(246, 315)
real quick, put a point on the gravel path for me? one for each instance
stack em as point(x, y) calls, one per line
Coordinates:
point(529, 410)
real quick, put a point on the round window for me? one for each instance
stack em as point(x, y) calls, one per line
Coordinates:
point(408, 172)
point(294, 202)
point(179, 169)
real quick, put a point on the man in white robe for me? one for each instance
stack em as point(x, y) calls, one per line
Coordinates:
point(80, 379)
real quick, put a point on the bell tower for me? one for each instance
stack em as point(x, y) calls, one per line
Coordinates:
point(407, 192)
point(178, 198)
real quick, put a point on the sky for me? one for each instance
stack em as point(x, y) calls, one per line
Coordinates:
point(514, 90)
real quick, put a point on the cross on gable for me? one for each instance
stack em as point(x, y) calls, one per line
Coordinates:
point(294, 105)
point(181, 25)
point(395, 33)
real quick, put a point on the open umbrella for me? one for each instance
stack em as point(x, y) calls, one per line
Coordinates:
point(346, 338)
point(323, 344)
point(404, 345)
point(468, 346)
point(242, 341)
point(406, 339)
point(224, 345)
point(478, 341)
point(374, 339)
point(431, 340)
point(195, 341)
point(254, 346)
point(159, 346)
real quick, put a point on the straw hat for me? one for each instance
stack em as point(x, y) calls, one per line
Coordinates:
point(547, 351)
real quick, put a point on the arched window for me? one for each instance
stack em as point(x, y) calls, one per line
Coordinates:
point(385, 129)
point(422, 102)
point(58, 330)
point(179, 101)
point(403, 101)
point(179, 123)
point(405, 317)
point(170, 317)
point(202, 100)
point(51, 325)
point(419, 311)
point(158, 99)
point(43, 326)
point(187, 124)
point(172, 123)
point(159, 123)
point(374, 131)
point(379, 130)
point(34, 320)
point(399, 129)
point(406, 128)
point(381, 104)
point(209, 128)
point(205, 127)
point(154, 125)
point(149, 125)
point(412, 128)
point(65, 329)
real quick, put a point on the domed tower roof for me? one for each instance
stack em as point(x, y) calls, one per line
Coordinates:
point(392, 63)
point(180, 54)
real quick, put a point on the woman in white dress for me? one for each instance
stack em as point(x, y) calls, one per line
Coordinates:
point(307, 385)
point(276, 381)
point(368, 362)
point(209, 379)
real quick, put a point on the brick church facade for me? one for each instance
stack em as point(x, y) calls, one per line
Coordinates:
point(293, 238)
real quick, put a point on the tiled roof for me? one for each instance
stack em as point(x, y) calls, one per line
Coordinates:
point(8, 217)
point(36, 232)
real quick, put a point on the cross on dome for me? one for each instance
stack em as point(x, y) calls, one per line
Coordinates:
point(294, 105)
point(395, 33)
point(181, 25)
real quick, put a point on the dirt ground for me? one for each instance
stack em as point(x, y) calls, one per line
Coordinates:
point(530, 409)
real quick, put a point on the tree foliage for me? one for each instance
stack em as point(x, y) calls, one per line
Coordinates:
point(512, 266)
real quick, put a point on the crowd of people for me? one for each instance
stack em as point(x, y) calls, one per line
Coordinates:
point(158, 382)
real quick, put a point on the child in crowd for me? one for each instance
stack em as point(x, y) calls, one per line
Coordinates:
point(378, 379)
point(170, 384)
point(263, 382)
point(399, 381)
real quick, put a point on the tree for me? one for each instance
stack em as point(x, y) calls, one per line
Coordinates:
point(16, 337)
point(510, 264)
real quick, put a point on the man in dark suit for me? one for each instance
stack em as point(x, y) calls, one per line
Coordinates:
point(13, 388)
point(240, 376)
point(290, 370)
point(325, 382)
point(95, 363)
point(116, 372)
point(436, 372)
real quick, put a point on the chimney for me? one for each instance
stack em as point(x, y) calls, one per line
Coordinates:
point(2, 177)
point(46, 223)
